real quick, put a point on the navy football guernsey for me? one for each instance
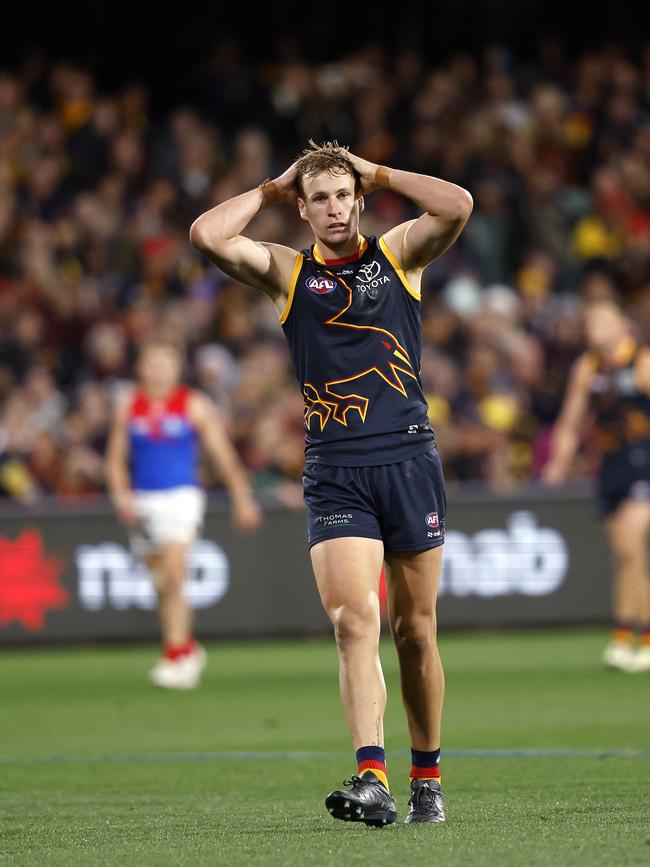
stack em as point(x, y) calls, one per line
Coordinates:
point(354, 334)
point(622, 410)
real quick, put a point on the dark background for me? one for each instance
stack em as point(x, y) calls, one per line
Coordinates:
point(168, 46)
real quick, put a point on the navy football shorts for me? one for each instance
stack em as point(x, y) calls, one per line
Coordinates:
point(404, 504)
point(623, 476)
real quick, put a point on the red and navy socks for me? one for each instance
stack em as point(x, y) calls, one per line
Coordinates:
point(623, 633)
point(425, 765)
point(373, 759)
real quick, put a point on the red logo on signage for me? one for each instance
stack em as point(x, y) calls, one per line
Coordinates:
point(29, 581)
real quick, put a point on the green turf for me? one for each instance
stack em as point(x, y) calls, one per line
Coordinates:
point(99, 768)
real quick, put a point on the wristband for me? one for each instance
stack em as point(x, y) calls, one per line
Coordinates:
point(270, 192)
point(382, 176)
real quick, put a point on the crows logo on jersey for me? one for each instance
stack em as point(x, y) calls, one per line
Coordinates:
point(369, 272)
point(393, 364)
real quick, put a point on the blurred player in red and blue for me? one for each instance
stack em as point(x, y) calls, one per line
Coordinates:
point(153, 477)
point(611, 381)
point(373, 484)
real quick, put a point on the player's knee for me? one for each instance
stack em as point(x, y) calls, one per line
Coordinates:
point(415, 636)
point(627, 551)
point(355, 624)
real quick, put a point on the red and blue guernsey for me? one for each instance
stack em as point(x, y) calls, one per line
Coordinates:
point(164, 444)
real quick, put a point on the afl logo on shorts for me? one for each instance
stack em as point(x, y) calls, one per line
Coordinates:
point(431, 519)
point(321, 285)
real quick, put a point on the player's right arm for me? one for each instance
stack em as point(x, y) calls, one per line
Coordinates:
point(117, 467)
point(217, 234)
point(566, 433)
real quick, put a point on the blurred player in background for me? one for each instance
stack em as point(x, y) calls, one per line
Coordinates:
point(152, 473)
point(612, 381)
point(373, 482)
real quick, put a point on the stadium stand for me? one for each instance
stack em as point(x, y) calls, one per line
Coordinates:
point(97, 193)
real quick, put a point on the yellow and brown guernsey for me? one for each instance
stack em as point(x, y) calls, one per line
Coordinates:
point(354, 334)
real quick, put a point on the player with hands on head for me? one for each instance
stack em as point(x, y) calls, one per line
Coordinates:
point(349, 306)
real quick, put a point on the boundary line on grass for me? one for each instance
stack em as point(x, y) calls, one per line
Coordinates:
point(299, 755)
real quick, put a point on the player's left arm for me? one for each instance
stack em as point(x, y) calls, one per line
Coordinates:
point(215, 439)
point(446, 208)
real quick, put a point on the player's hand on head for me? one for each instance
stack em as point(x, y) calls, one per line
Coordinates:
point(246, 514)
point(282, 188)
point(367, 171)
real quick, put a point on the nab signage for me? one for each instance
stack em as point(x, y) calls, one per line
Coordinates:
point(108, 576)
point(524, 558)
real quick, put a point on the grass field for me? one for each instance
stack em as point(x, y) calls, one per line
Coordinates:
point(546, 759)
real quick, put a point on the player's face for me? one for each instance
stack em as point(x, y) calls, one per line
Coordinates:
point(159, 369)
point(331, 207)
point(605, 327)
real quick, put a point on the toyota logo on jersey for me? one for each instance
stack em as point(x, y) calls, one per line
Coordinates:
point(321, 285)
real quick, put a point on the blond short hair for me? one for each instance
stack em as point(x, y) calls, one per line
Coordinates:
point(329, 156)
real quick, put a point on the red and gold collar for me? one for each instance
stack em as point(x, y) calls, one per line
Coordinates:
point(363, 246)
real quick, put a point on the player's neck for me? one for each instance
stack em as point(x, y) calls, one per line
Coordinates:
point(159, 393)
point(340, 253)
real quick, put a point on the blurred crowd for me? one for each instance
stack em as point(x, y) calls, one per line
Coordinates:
point(97, 194)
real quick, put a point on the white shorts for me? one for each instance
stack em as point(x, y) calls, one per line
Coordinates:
point(172, 515)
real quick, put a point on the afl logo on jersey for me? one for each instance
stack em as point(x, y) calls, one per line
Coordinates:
point(321, 285)
point(431, 519)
